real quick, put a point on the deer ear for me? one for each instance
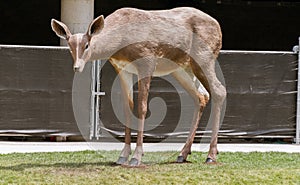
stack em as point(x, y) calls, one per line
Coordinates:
point(96, 26)
point(60, 29)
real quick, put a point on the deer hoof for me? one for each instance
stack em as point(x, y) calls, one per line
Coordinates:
point(134, 162)
point(180, 159)
point(210, 161)
point(122, 160)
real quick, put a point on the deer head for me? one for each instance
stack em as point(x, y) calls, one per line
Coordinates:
point(79, 44)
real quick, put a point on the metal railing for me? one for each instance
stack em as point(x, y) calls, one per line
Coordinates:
point(95, 131)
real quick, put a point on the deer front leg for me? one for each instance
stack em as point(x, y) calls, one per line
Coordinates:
point(143, 88)
point(126, 84)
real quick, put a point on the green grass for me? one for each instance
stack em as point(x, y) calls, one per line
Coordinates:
point(90, 167)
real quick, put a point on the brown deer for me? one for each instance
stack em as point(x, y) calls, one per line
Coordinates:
point(183, 42)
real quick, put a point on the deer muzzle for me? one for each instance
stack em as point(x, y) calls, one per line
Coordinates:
point(78, 65)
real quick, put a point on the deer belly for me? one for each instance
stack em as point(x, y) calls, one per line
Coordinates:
point(163, 67)
point(120, 65)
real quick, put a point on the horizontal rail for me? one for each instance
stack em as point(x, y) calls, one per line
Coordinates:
point(34, 47)
point(222, 51)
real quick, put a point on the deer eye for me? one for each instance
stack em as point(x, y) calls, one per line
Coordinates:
point(87, 46)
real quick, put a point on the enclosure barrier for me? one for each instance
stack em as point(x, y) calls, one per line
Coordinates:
point(36, 96)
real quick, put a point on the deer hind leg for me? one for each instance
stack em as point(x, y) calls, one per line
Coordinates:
point(200, 97)
point(206, 72)
point(126, 85)
point(218, 95)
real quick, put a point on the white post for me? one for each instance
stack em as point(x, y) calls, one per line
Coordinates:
point(77, 15)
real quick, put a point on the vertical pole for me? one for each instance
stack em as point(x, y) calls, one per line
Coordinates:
point(97, 106)
point(93, 108)
point(77, 15)
point(95, 129)
point(297, 139)
point(94, 114)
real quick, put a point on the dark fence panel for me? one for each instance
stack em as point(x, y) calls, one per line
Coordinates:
point(261, 98)
point(262, 92)
point(36, 95)
point(36, 91)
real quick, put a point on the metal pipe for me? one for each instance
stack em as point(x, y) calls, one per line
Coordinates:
point(95, 131)
point(297, 139)
point(92, 111)
point(97, 88)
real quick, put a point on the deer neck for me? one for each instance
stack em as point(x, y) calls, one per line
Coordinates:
point(104, 45)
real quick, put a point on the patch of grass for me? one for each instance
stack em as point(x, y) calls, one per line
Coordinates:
point(90, 167)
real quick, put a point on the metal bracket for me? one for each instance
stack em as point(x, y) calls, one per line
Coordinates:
point(95, 129)
point(98, 93)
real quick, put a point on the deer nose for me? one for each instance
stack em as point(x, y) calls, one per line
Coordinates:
point(76, 69)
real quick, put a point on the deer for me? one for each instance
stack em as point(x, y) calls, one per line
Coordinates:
point(182, 42)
